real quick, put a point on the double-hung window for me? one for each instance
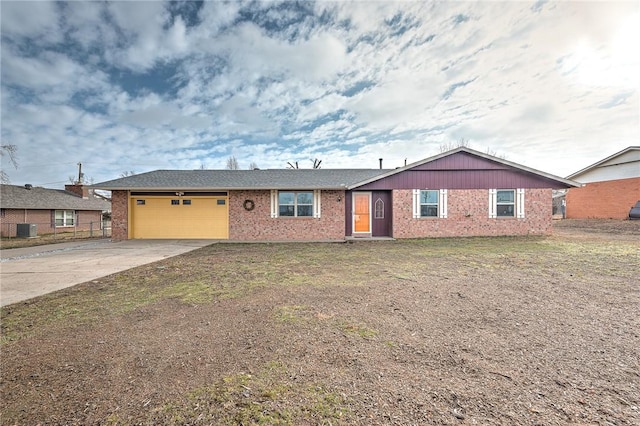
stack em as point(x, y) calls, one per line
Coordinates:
point(429, 203)
point(64, 217)
point(295, 203)
point(506, 203)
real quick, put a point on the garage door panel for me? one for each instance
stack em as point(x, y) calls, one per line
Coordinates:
point(192, 217)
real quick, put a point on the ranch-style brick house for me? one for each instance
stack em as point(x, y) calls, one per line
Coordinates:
point(50, 210)
point(461, 192)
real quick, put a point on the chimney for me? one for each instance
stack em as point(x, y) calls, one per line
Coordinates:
point(78, 189)
point(380, 159)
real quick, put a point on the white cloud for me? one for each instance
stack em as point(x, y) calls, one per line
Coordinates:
point(397, 79)
point(38, 20)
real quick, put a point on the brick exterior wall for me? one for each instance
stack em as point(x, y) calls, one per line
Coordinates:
point(44, 220)
point(79, 190)
point(603, 200)
point(258, 225)
point(119, 215)
point(468, 215)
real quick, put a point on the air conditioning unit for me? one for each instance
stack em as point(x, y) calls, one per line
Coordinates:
point(26, 230)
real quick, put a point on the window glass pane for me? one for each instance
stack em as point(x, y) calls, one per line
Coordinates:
point(428, 211)
point(175, 202)
point(305, 210)
point(285, 198)
point(221, 202)
point(59, 222)
point(504, 210)
point(305, 197)
point(186, 202)
point(379, 209)
point(505, 196)
point(140, 202)
point(428, 197)
point(286, 210)
point(59, 214)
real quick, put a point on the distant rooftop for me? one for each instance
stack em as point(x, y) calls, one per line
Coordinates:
point(37, 198)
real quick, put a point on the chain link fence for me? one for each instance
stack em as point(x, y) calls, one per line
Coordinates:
point(92, 229)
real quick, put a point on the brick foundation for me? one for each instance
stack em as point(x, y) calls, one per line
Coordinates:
point(603, 200)
point(468, 215)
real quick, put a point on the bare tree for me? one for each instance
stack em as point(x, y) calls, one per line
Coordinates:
point(12, 152)
point(453, 145)
point(232, 163)
point(127, 173)
point(295, 165)
point(494, 153)
point(202, 166)
point(253, 166)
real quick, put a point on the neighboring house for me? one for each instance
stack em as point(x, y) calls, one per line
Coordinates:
point(458, 193)
point(51, 210)
point(612, 187)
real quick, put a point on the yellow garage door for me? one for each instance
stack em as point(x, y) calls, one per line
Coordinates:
point(179, 217)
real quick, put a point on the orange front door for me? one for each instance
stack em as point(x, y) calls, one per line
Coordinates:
point(362, 212)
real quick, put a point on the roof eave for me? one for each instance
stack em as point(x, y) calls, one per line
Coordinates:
point(214, 189)
point(594, 165)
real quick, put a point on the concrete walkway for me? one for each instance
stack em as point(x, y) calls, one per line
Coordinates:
point(33, 271)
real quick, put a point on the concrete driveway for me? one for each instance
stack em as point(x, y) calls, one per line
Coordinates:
point(29, 272)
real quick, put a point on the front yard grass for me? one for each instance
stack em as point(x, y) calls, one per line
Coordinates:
point(436, 331)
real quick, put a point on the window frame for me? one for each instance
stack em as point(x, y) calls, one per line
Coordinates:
point(427, 204)
point(441, 205)
point(68, 220)
point(378, 209)
point(511, 203)
point(518, 203)
point(315, 203)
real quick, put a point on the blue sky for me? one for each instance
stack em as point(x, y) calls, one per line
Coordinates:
point(139, 86)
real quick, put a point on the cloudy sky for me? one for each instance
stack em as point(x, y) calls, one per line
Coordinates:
point(139, 86)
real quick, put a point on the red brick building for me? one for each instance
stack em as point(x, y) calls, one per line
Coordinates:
point(458, 193)
point(50, 210)
point(611, 187)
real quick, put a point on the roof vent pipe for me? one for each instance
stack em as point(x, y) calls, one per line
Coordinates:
point(28, 186)
point(380, 159)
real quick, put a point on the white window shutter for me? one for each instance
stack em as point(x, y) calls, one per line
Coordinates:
point(416, 203)
point(316, 203)
point(520, 203)
point(443, 203)
point(274, 203)
point(492, 203)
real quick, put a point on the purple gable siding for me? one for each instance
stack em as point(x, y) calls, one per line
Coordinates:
point(462, 171)
point(461, 161)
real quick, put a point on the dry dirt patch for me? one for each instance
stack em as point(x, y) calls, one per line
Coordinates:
point(444, 331)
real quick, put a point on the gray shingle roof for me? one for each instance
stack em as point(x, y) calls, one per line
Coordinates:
point(241, 179)
point(18, 197)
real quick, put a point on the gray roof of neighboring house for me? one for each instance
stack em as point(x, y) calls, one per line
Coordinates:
point(36, 198)
point(242, 179)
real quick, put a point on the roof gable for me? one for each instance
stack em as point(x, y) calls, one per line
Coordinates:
point(621, 165)
point(464, 168)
